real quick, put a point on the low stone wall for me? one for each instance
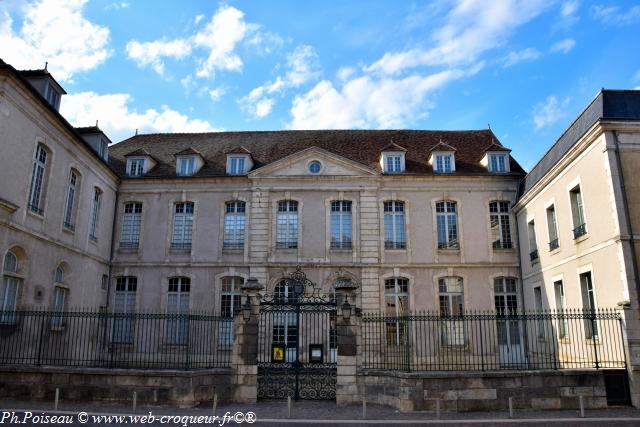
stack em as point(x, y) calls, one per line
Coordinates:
point(483, 391)
point(153, 387)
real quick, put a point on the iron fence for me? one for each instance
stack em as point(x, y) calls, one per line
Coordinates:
point(478, 341)
point(95, 338)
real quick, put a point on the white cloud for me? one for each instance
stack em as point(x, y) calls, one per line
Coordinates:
point(613, 15)
point(514, 57)
point(563, 46)
point(119, 120)
point(302, 66)
point(264, 42)
point(152, 53)
point(569, 8)
point(198, 18)
point(220, 35)
point(549, 112)
point(471, 28)
point(367, 102)
point(216, 93)
point(117, 5)
point(55, 31)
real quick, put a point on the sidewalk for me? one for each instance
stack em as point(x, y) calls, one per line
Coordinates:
point(311, 412)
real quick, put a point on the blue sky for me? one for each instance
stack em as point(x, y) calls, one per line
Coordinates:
point(527, 68)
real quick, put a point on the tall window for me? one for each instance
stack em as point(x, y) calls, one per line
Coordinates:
point(589, 306)
point(182, 225)
point(59, 304)
point(393, 163)
point(135, 167)
point(552, 227)
point(577, 213)
point(561, 306)
point(287, 225)
point(396, 296)
point(285, 329)
point(533, 244)
point(447, 222)
point(95, 214)
point(500, 218)
point(69, 206)
point(124, 308)
point(341, 224)
point(10, 287)
point(539, 306)
point(444, 163)
point(451, 297)
point(38, 177)
point(178, 304)
point(394, 225)
point(131, 220)
point(506, 303)
point(234, 225)
point(229, 303)
point(187, 166)
point(237, 165)
point(498, 163)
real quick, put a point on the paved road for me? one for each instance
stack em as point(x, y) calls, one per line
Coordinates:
point(303, 414)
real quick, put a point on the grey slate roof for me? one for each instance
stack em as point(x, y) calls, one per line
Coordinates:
point(607, 105)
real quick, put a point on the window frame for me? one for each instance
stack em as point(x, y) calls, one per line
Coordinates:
point(238, 160)
point(389, 165)
point(500, 215)
point(131, 225)
point(439, 163)
point(10, 277)
point(139, 164)
point(578, 219)
point(186, 166)
point(96, 203)
point(177, 326)
point(125, 300)
point(71, 195)
point(444, 215)
point(498, 167)
point(187, 218)
point(39, 180)
point(395, 216)
point(453, 331)
point(286, 216)
point(552, 227)
point(341, 215)
point(234, 234)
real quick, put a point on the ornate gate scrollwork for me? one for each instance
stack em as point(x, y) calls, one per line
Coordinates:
point(297, 343)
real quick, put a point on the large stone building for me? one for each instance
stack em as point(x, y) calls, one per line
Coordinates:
point(445, 221)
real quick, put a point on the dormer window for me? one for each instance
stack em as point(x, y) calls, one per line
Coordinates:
point(186, 166)
point(52, 96)
point(393, 163)
point(392, 158)
point(237, 165)
point(443, 163)
point(135, 167)
point(498, 163)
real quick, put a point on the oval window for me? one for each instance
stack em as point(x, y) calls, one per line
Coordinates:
point(315, 166)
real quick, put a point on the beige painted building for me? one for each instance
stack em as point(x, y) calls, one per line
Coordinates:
point(56, 200)
point(576, 216)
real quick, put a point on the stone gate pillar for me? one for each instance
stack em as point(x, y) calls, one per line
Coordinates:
point(245, 346)
point(348, 332)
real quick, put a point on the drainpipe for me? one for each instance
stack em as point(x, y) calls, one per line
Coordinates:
point(625, 206)
point(113, 239)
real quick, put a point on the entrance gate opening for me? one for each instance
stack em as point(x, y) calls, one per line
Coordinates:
point(297, 342)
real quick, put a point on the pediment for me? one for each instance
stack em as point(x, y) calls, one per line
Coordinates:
point(297, 164)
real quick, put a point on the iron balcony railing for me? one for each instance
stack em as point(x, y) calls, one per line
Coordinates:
point(181, 246)
point(479, 341)
point(533, 255)
point(129, 245)
point(554, 244)
point(580, 230)
point(502, 245)
point(345, 244)
point(94, 338)
point(452, 244)
point(395, 244)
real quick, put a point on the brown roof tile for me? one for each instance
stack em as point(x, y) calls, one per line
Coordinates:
point(362, 146)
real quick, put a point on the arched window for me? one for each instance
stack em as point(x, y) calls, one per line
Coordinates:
point(284, 328)
point(95, 213)
point(394, 225)
point(447, 223)
point(396, 296)
point(234, 225)
point(59, 276)
point(182, 225)
point(230, 295)
point(10, 287)
point(451, 310)
point(287, 225)
point(178, 304)
point(37, 190)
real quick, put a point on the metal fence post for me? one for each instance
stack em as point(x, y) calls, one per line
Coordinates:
point(592, 316)
point(41, 339)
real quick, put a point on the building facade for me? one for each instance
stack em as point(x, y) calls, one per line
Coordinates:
point(437, 221)
point(577, 214)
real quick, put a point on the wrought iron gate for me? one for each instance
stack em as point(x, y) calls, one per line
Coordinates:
point(297, 343)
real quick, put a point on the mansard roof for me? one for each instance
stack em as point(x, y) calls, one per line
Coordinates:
point(361, 146)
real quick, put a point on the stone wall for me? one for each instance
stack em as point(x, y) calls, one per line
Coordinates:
point(483, 391)
point(175, 388)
